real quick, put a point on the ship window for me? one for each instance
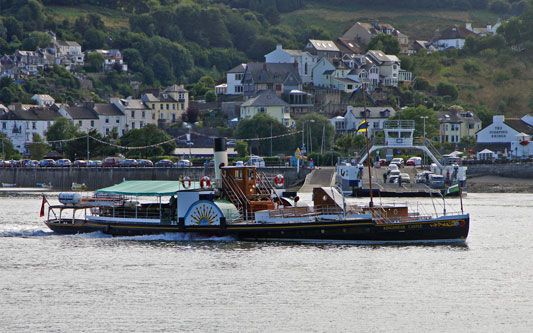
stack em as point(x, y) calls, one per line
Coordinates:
point(251, 175)
point(238, 174)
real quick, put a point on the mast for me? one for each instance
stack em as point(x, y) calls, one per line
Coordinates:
point(368, 150)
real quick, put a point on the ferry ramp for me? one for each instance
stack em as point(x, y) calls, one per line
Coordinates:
point(378, 182)
point(321, 177)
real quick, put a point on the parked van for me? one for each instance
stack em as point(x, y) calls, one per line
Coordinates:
point(256, 161)
point(436, 181)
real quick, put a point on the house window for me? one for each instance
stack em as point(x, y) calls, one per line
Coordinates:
point(173, 106)
point(182, 106)
point(79, 123)
point(161, 106)
point(261, 109)
point(238, 76)
point(350, 86)
point(168, 116)
point(143, 114)
point(181, 96)
point(153, 116)
point(141, 124)
point(107, 131)
point(107, 120)
point(34, 125)
point(173, 117)
point(132, 125)
point(4, 125)
point(92, 123)
point(153, 106)
point(238, 89)
point(133, 114)
point(279, 87)
point(168, 106)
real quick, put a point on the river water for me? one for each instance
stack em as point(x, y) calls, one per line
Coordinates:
point(94, 283)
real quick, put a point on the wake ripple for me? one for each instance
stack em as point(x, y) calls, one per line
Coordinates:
point(26, 233)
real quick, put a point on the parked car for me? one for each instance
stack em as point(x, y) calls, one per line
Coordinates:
point(394, 174)
point(79, 163)
point(145, 163)
point(256, 161)
point(64, 162)
point(7, 164)
point(405, 178)
point(398, 161)
point(130, 162)
point(94, 163)
point(183, 163)
point(111, 162)
point(436, 181)
point(392, 167)
point(47, 163)
point(423, 177)
point(16, 163)
point(164, 164)
point(414, 161)
point(32, 164)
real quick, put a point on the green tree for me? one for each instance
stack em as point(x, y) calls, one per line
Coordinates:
point(148, 135)
point(386, 43)
point(260, 127)
point(7, 150)
point(95, 60)
point(316, 125)
point(416, 114)
point(242, 148)
point(38, 148)
point(61, 129)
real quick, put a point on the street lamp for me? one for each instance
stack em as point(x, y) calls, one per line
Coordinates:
point(424, 135)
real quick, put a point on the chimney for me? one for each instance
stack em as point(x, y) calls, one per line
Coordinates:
point(279, 47)
point(221, 159)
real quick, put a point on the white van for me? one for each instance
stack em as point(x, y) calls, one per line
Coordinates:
point(256, 161)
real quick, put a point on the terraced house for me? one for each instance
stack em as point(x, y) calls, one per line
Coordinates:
point(167, 105)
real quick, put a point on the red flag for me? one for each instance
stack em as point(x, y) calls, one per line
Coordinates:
point(42, 206)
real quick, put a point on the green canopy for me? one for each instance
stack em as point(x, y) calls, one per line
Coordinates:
point(147, 187)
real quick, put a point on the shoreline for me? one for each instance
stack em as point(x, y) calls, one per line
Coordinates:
point(498, 184)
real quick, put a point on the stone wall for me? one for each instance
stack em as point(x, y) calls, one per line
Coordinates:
point(518, 170)
point(95, 178)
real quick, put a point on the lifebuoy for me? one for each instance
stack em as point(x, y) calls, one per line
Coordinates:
point(395, 211)
point(186, 182)
point(279, 180)
point(205, 182)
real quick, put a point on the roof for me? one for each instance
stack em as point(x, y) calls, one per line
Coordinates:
point(295, 52)
point(324, 45)
point(455, 32)
point(107, 109)
point(519, 125)
point(263, 72)
point(448, 117)
point(494, 146)
point(382, 57)
point(80, 112)
point(346, 45)
point(265, 98)
point(34, 113)
point(347, 80)
point(147, 187)
point(43, 97)
point(239, 68)
point(67, 43)
point(372, 112)
point(134, 104)
point(175, 88)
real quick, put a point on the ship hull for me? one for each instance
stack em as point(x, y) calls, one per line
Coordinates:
point(451, 228)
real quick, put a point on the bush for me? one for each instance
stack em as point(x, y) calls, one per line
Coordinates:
point(471, 66)
point(447, 89)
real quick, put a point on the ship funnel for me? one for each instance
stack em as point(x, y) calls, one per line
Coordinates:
point(221, 159)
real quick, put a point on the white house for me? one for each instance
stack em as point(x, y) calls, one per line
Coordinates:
point(508, 138)
point(81, 115)
point(20, 125)
point(137, 114)
point(68, 53)
point(234, 80)
point(45, 100)
point(376, 116)
point(305, 60)
point(451, 37)
point(389, 67)
point(111, 58)
point(100, 116)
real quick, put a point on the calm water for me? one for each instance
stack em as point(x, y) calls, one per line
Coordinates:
point(94, 283)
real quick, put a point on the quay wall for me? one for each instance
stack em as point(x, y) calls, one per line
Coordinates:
point(514, 170)
point(61, 179)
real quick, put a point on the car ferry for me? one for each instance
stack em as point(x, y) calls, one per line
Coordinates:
point(244, 204)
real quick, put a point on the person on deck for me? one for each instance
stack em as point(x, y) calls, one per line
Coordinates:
point(173, 203)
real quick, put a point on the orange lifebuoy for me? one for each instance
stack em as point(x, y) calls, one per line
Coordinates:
point(186, 182)
point(205, 182)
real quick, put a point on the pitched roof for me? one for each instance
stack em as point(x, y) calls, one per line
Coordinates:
point(449, 117)
point(68, 43)
point(272, 72)
point(346, 45)
point(372, 112)
point(80, 112)
point(175, 88)
point(265, 98)
point(34, 113)
point(455, 32)
point(382, 57)
point(324, 45)
point(239, 68)
point(107, 109)
point(133, 104)
point(519, 125)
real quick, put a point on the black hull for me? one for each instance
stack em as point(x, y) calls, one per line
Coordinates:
point(454, 228)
